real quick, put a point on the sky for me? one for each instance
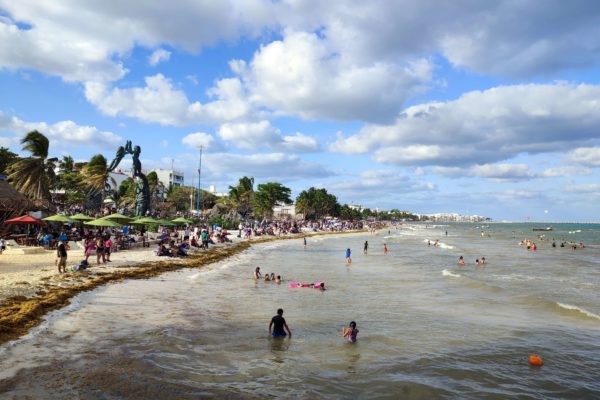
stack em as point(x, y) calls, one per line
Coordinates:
point(466, 106)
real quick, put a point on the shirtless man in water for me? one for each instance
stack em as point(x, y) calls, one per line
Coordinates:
point(257, 274)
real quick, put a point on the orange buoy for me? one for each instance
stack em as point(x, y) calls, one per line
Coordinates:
point(536, 360)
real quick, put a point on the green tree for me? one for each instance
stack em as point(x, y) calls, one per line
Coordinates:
point(268, 195)
point(348, 213)
point(317, 203)
point(66, 165)
point(179, 196)
point(126, 192)
point(97, 180)
point(34, 175)
point(157, 190)
point(241, 196)
point(7, 157)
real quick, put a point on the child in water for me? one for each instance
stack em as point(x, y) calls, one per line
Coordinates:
point(461, 261)
point(350, 332)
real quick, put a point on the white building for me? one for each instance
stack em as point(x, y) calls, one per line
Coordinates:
point(213, 190)
point(169, 177)
point(284, 211)
point(119, 176)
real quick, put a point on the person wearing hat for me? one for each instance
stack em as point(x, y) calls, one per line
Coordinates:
point(61, 254)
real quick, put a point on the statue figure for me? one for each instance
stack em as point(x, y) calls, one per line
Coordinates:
point(137, 165)
point(142, 195)
point(142, 190)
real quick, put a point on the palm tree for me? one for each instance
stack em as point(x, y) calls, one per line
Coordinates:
point(97, 177)
point(34, 175)
point(241, 196)
point(66, 165)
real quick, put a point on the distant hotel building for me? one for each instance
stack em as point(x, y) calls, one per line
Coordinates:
point(452, 217)
point(169, 177)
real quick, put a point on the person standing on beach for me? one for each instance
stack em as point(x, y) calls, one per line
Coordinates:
point(278, 324)
point(366, 247)
point(348, 256)
point(100, 255)
point(61, 256)
point(107, 248)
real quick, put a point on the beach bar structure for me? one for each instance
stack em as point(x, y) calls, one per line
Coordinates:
point(12, 203)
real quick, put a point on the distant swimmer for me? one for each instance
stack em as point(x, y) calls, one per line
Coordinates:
point(257, 274)
point(366, 247)
point(461, 261)
point(446, 233)
point(351, 332)
point(482, 260)
point(348, 256)
point(385, 249)
point(278, 324)
point(304, 242)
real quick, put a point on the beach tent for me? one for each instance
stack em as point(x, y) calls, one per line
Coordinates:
point(103, 222)
point(81, 217)
point(58, 218)
point(25, 220)
point(120, 218)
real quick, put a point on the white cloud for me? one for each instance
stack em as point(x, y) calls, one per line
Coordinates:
point(302, 76)
point(588, 156)
point(565, 171)
point(160, 102)
point(158, 56)
point(198, 139)
point(484, 127)
point(62, 133)
point(497, 172)
point(253, 135)
point(84, 41)
point(265, 166)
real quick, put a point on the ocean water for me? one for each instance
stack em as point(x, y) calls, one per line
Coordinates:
point(428, 328)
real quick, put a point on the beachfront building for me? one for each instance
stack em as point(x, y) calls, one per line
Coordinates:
point(212, 189)
point(169, 177)
point(452, 217)
point(284, 211)
point(355, 207)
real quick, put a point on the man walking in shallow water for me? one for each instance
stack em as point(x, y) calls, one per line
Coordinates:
point(277, 325)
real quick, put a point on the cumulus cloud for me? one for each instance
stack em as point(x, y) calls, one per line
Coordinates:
point(588, 156)
point(160, 102)
point(84, 41)
point(567, 170)
point(158, 56)
point(252, 135)
point(61, 133)
point(198, 139)
point(483, 127)
point(265, 166)
point(499, 172)
point(302, 76)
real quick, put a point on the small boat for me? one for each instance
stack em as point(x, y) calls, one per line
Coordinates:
point(548, 228)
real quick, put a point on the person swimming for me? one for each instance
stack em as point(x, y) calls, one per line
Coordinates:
point(351, 332)
point(272, 276)
point(278, 279)
point(267, 278)
point(461, 261)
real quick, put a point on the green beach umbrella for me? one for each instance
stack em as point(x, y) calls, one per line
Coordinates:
point(103, 222)
point(181, 220)
point(120, 218)
point(145, 221)
point(164, 222)
point(58, 218)
point(81, 217)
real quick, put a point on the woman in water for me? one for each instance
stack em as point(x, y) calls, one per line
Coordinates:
point(461, 261)
point(257, 274)
point(350, 332)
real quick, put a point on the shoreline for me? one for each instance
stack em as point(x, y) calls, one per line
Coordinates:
point(20, 313)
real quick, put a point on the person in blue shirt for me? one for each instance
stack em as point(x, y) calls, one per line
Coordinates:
point(348, 256)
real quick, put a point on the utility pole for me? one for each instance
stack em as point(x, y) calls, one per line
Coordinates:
point(199, 173)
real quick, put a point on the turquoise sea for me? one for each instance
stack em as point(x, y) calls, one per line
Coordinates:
point(428, 328)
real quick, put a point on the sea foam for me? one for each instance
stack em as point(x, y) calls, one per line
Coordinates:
point(581, 310)
point(447, 272)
